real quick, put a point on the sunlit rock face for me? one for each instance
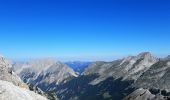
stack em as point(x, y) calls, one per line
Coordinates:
point(9, 91)
point(129, 68)
point(7, 74)
point(156, 79)
point(12, 87)
point(158, 76)
point(44, 72)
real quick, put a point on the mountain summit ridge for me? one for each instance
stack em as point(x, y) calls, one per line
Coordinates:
point(105, 80)
point(130, 67)
point(44, 72)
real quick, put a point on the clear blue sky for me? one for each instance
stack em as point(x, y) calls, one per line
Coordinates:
point(83, 28)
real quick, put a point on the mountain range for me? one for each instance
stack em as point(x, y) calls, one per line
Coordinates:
point(140, 77)
point(43, 73)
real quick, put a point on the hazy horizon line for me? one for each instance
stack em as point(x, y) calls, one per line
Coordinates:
point(82, 58)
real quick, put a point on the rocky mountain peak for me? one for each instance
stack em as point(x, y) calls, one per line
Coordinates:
point(44, 72)
point(4, 62)
point(7, 74)
point(145, 55)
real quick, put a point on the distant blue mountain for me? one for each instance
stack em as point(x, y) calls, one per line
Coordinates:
point(78, 66)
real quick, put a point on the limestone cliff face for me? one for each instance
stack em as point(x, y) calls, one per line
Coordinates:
point(129, 68)
point(44, 72)
point(12, 87)
point(158, 76)
point(7, 74)
point(9, 91)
